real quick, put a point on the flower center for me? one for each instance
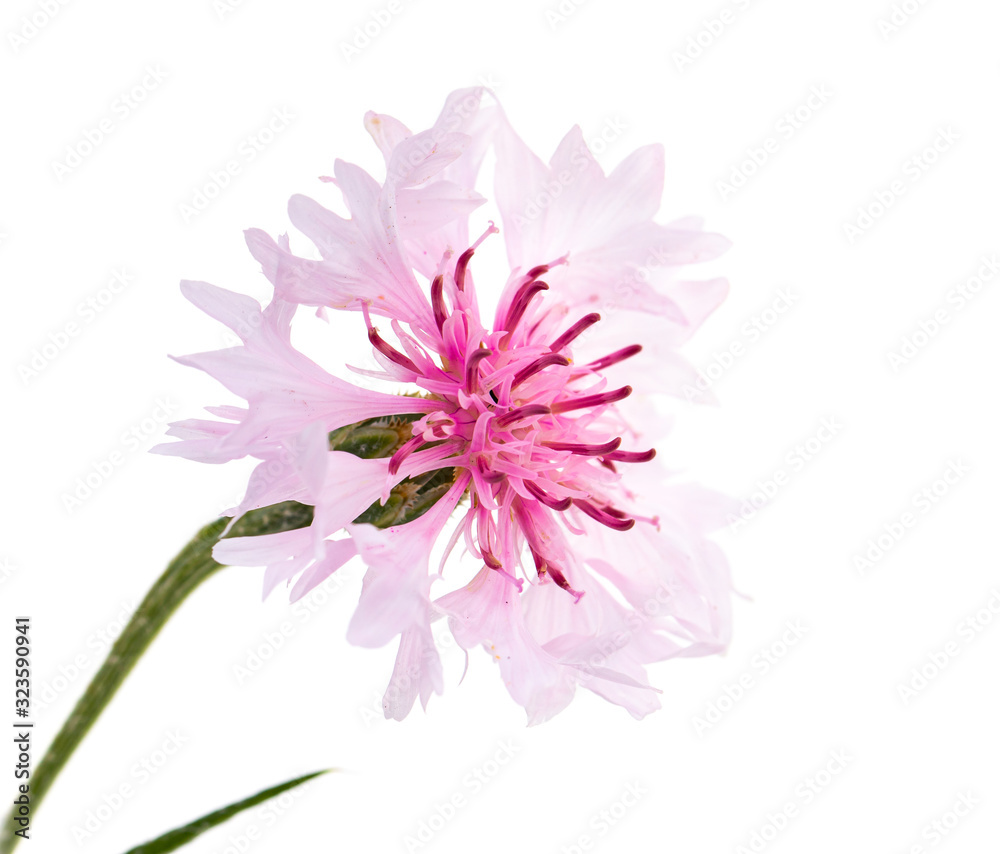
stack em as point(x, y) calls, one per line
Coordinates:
point(534, 431)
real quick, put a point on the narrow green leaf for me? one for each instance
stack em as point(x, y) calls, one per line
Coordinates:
point(174, 839)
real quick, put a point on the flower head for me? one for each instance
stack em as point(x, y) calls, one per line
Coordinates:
point(513, 435)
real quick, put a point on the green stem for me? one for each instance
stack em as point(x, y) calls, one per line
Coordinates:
point(189, 569)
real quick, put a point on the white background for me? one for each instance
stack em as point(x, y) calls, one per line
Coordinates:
point(889, 95)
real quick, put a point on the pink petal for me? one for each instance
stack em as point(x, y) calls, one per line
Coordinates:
point(488, 612)
point(395, 592)
point(338, 552)
point(417, 671)
point(386, 131)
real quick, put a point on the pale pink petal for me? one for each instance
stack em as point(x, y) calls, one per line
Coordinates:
point(423, 211)
point(261, 550)
point(487, 612)
point(420, 157)
point(338, 552)
point(284, 389)
point(386, 131)
point(417, 672)
point(201, 441)
point(396, 587)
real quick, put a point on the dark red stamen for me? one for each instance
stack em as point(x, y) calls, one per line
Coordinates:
point(585, 450)
point(540, 364)
point(437, 302)
point(529, 411)
point(560, 579)
point(389, 352)
point(488, 475)
point(490, 559)
point(614, 358)
point(466, 256)
point(577, 329)
point(632, 456)
point(546, 499)
point(472, 368)
point(542, 567)
point(589, 400)
point(604, 517)
point(540, 270)
point(403, 451)
point(460, 267)
point(540, 564)
point(519, 305)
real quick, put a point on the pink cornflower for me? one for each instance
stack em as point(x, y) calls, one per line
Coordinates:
point(515, 437)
